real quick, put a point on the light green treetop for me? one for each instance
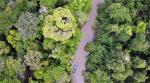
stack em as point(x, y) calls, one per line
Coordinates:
point(119, 13)
point(4, 49)
point(138, 63)
point(13, 67)
point(64, 18)
point(140, 77)
point(60, 25)
point(141, 28)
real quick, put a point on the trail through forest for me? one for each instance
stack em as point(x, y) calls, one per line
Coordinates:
point(88, 35)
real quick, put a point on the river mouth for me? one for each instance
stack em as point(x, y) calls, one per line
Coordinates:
point(88, 36)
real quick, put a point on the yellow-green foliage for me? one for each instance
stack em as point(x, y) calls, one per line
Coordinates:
point(81, 9)
point(64, 18)
point(5, 24)
point(13, 67)
point(141, 27)
point(60, 25)
point(4, 49)
point(138, 62)
point(10, 81)
point(50, 4)
point(2, 4)
point(48, 44)
point(53, 74)
point(119, 13)
point(80, 5)
point(13, 37)
point(140, 77)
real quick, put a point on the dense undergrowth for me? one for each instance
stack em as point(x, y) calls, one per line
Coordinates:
point(121, 52)
point(38, 39)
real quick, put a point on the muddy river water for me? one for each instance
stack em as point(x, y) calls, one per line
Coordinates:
point(88, 35)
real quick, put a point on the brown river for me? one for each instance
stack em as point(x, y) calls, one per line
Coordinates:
point(88, 35)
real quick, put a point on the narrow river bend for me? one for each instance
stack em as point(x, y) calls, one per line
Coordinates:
point(88, 35)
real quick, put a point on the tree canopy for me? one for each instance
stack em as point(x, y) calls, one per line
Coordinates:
point(38, 39)
point(120, 52)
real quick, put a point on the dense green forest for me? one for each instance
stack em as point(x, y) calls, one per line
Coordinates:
point(38, 39)
point(121, 52)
